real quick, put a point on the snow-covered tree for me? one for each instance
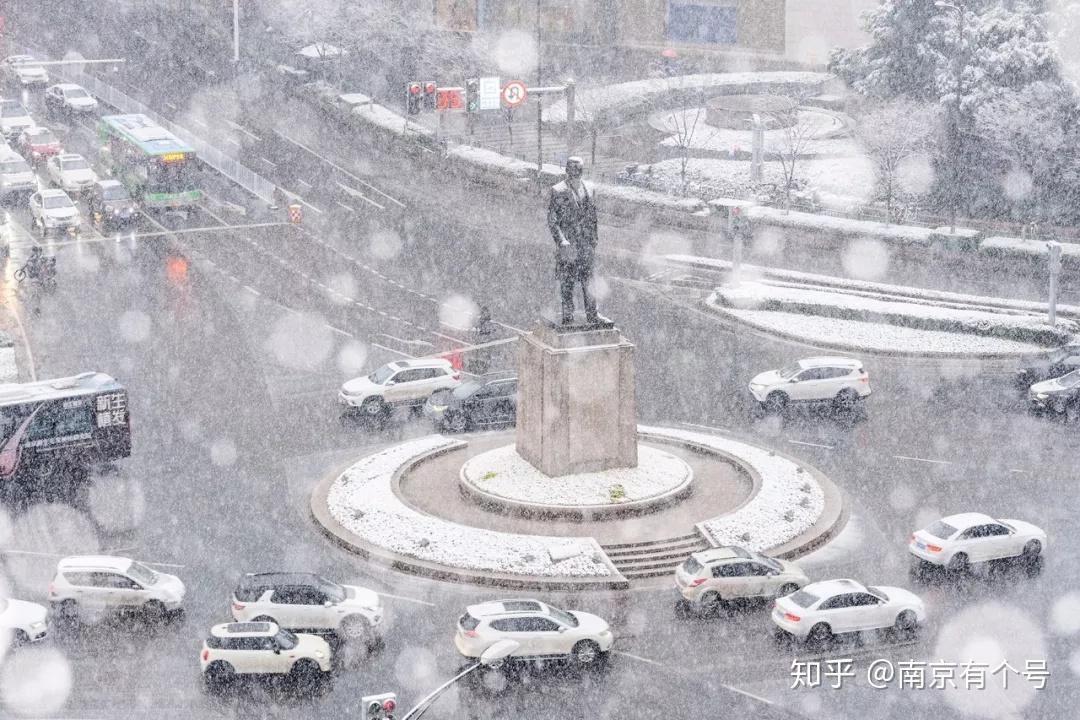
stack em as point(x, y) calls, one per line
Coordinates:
point(893, 135)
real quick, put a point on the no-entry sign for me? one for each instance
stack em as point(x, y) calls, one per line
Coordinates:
point(514, 93)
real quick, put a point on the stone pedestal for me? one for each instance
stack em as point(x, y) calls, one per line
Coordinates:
point(576, 411)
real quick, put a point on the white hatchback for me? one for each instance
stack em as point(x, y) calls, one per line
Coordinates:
point(821, 610)
point(21, 622)
point(538, 630)
point(261, 648)
point(711, 577)
point(102, 583)
point(839, 379)
point(957, 541)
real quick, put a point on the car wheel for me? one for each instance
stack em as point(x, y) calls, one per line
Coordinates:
point(457, 423)
point(19, 638)
point(905, 622)
point(219, 674)
point(155, 612)
point(787, 589)
point(68, 611)
point(305, 675)
point(374, 407)
point(959, 563)
point(586, 653)
point(1031, 551)
point(711, 602)
point(265, 618)
point(776, 401)
point(847, 398)
point(355, 627)
point(820, 636)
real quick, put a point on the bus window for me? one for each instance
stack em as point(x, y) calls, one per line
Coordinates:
point(55, 421)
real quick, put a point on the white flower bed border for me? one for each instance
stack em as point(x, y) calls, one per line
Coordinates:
point(762, 523)
point(658, 473)
point(386, 522)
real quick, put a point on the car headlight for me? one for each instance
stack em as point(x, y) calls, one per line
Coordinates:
point(37, 625)
point(319, 654)
point(1042, 396)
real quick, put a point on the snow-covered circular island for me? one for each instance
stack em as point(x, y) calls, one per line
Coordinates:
point(501, 477)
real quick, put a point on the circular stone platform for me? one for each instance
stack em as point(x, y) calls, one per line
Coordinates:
point(736, 112)
point(502, 479)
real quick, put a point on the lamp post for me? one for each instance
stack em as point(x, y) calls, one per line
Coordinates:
point(235, 31)
point(539, 108)
point(492, 657)
point(954, 115)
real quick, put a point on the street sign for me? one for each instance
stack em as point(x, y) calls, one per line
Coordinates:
point(514, 93)
point(449, 99)
point(489, 93)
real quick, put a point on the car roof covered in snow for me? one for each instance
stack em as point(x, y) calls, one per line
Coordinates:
point(830, 361)
point(506, 607)
point(245, 629)
point(962, 521)
point(713, 555)
point(828, 588)
point(94, 562)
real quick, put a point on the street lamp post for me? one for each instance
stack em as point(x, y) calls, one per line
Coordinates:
point(954, 115)
point(492, 657)
point(539, 107)
point(235, 30)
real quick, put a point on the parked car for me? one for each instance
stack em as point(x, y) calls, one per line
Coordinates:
point(53, 210)
point(21, 622)
point(263, 649)
point(110, 205)
point(68, 98)
point(13, 119)
point(958, 541)
point(474, 404)
point(23, 70)
point(822, 610)
point(1058, 395)
point(1050, 364)
point(309, 603)
point(37, 144)
point(103, 583)
point(839, 379)
point(16, 176)
point(711, 577)
point(540, 630)
point(71, 172)
point(401, 383)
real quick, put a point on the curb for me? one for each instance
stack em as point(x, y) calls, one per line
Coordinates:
point(342, 537)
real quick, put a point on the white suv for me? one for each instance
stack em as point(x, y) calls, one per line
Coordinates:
point(839, 379)
point(261, 648)
point(405, 382)
point(101, 583)
point(712, 577)
point(52, 210)
point(304, 601)
point(540, 631)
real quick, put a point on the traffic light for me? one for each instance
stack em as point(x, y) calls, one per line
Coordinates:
point(412, 98)
point(472, 95)
point(379, 707)
point(430, 90)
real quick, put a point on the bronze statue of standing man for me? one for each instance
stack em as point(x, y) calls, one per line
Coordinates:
point(573, 224)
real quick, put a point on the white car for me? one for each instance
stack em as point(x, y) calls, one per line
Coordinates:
point(821, 610)
point(71, 172)
point(21, 622)
point(261, 648)
point(69, 97)
point(957, 541)
point(814, 379)
point(310, 603)
point(52, 210)
point(24, 70)
point(16, 176)
point(538, 629)
point(13, 118)
point(405, 382)
point(105, 584)
point(711, 577)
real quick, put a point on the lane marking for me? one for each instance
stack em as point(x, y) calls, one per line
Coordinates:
point(925, 460)
point(1015, 470)
point(231, 140)
point(810, 444)
point(350, 208)
point(304, 182)
point(389, 349)
point(636, 657)
point(241, 128)
point(26, 341)
point(337, 167)
point(268, 162)
point(342, 332)
point(198, 122)
point(407, 599)
point(357, 194)
point(750, 695)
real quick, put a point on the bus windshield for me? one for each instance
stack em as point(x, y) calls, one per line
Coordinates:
point(171, 177)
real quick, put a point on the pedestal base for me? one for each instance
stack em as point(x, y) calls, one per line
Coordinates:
point(576, 411)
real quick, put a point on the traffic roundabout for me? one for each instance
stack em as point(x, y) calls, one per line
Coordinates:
point(422, 507)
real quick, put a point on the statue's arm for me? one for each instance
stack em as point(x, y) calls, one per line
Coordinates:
point(553, 221)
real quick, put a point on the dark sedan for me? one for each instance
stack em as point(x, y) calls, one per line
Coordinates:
point(110, 204)
point(474, 404)
point(1051, 364)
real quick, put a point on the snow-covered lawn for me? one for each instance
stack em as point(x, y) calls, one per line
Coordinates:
point(505, 474)
point(630, 97)
point(688, 128)
point(788, 503)
point(363, 501)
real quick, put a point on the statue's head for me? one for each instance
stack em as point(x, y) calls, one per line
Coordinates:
point(575, 167)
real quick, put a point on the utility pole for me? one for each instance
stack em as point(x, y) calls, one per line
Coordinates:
point(758, 145)
point(954, 115)
point(570, 94)
point(539, 107)
point(1054, 258)
point(235, 30)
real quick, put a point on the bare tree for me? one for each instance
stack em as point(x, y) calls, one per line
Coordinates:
point(687, 123)
point(890, 136)
point(796, 139)
point(590, 115)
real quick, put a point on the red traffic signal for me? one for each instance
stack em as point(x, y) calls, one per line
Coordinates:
point(414, 88)
point(413, 98)
point(431, 89)
point(389, 706)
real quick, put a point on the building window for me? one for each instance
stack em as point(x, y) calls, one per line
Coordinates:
point(702, 23)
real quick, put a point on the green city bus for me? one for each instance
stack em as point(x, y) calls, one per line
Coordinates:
point(156, 167)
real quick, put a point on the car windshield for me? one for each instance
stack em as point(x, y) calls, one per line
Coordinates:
point(10, 108)
point(691, 565)
point(876, 592)
point(143, 574)
point(14, 165)
point(75, 93)
point(286, 640)
point(381, 375)
point(790, 371)
point(1070, 380)
point(941, 530)
point(43, 137)
point(333, 591)
point(464, 390)
point(562, 616)
point(774, 564)
point(115, 192)
point(75, 164)
point(803, 599)
point(55, 202)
